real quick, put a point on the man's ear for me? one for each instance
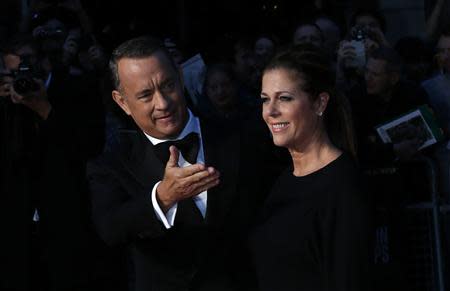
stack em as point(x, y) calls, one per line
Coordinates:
point(322, 103)
point(121, 101)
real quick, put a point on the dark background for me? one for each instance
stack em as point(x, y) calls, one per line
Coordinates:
point(198, 24)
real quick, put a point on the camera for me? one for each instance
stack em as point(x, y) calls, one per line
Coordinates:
point(24, 82)
point(360, 33)
point(357, 37)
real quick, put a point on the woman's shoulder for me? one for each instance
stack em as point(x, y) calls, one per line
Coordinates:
point(345, 180)
point(345, 165)
point(340, 169)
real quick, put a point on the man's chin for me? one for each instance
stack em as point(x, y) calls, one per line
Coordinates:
point(172, 127)
point(172, 130)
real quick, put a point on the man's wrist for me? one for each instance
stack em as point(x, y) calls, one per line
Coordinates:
point(167, 218)
point(164, 204)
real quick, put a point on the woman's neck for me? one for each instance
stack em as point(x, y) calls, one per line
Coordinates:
point(317, 154)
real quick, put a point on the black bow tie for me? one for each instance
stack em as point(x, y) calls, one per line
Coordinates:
point(188, 146)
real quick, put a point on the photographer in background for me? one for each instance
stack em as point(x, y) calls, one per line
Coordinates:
point(17, 136)
point(385, 96)
point(60, 128)
point(366, 35)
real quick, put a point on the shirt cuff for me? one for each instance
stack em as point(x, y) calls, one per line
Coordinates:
point(167, 219)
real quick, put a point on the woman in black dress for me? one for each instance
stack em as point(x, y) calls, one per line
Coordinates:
point(313, 234)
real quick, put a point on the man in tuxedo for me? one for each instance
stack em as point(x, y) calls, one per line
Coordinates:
point(176, 191)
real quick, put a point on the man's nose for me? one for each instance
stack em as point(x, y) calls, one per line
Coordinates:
point(162, 102)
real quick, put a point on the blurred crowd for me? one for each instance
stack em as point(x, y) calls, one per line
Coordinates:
point(56, 113)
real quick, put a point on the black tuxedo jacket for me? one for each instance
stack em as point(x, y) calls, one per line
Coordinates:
point(205, 258)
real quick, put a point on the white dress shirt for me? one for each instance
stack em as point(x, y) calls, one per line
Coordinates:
point(168, 219)
point(47, 84)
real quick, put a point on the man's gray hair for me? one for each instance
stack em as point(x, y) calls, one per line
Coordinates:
point(136, 48)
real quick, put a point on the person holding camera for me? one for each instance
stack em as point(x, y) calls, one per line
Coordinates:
point(61, 129)
point(17, 141)
point(366, 35)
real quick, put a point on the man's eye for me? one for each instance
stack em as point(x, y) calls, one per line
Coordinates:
point(144, 96)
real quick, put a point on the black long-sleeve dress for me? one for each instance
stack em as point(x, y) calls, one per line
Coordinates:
point(314, 232)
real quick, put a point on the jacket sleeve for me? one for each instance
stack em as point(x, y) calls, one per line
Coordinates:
point(120, 217)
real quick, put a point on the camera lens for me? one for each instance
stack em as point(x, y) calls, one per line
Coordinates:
point(25, 85)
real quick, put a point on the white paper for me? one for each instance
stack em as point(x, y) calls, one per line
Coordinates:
point(194, 76)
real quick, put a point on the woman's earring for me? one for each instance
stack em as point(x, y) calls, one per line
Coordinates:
point(320, 113)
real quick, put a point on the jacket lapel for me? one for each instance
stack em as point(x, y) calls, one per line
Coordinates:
point(142, 162)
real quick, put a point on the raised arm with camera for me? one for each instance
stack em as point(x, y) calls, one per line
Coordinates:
point(28, 88)
point(365, 36)
point(56, 97)
point(351, 58)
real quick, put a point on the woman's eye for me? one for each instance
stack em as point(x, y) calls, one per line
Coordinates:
point(264, 99)
point(285, 98)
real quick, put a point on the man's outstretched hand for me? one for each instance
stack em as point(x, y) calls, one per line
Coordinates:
point(182, 183)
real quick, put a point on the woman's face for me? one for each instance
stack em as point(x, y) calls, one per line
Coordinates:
point(264, 48)
point(220, 89)
point(308, 34)
point(287, 110)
